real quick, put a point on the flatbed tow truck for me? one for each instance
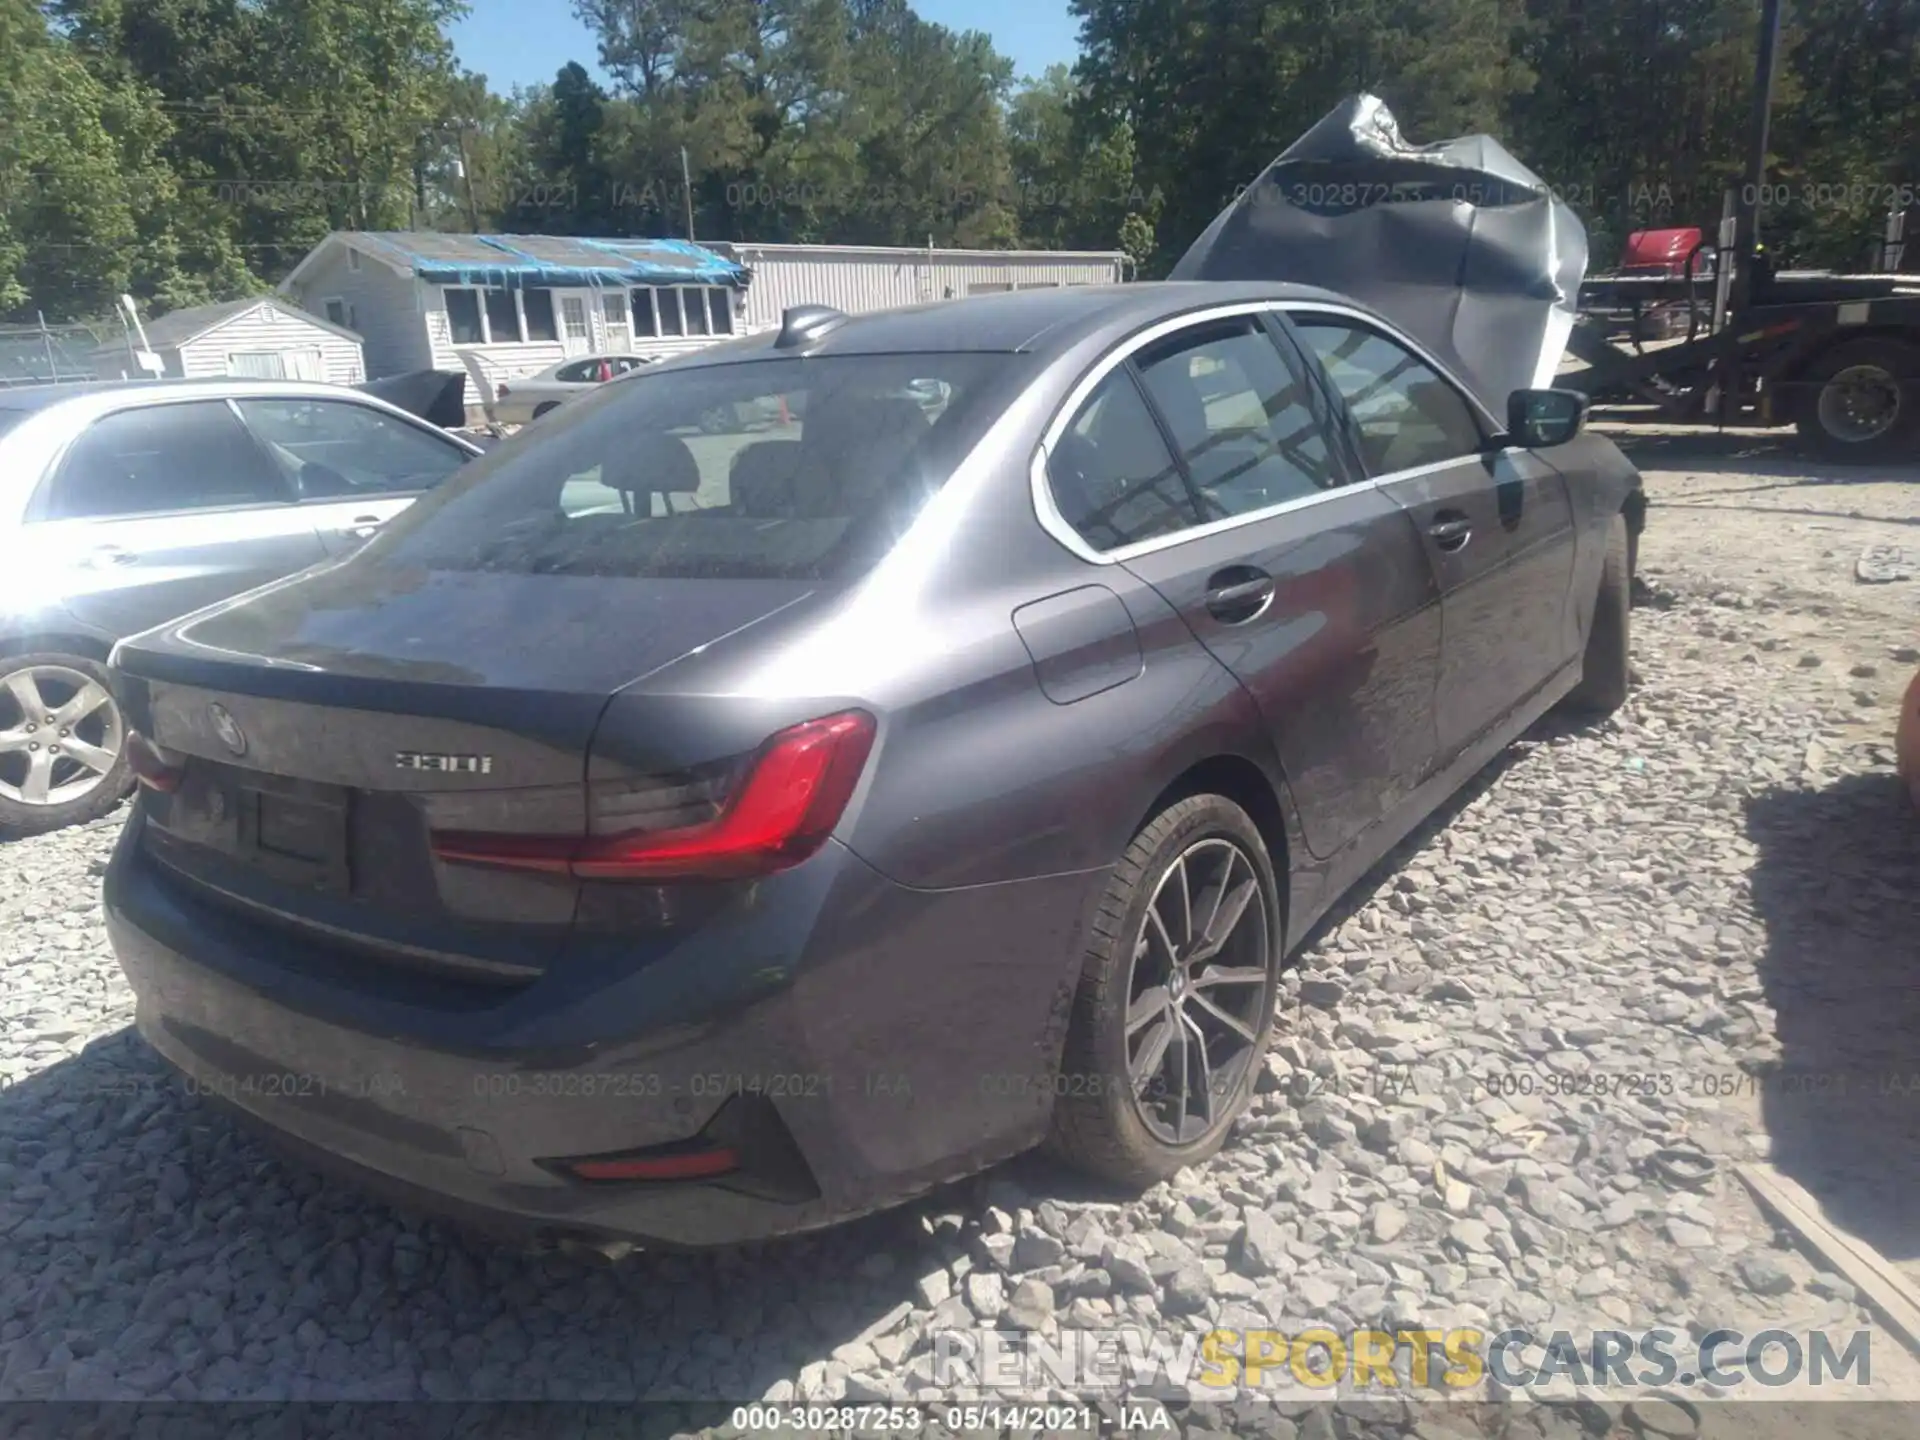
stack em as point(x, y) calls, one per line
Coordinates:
point(1837, 356)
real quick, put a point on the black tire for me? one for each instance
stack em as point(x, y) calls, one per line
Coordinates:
point(1606, 669)
point(544, 407)
point(101, 729)
point(718, 420)
point(1894, 437)
point(1099, 1124)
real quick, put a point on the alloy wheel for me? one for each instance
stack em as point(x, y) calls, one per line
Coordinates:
point(1860, 403)
point(1198, 982)
point(60, 735)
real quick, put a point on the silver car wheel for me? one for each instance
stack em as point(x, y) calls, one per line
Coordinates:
point(1193, 1000)
point(60, 735)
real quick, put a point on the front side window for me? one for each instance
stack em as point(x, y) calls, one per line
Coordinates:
point(162, 458)
point(774, 469)
point(1404, 412)
point(1110, 472)
point(1243, 420)
point(333, 449)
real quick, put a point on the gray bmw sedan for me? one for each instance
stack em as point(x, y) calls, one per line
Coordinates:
point(664, 836)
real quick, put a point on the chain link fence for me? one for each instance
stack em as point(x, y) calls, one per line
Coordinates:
point(40, 354)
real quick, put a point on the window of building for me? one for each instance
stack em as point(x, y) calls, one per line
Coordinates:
point(693, 304)
point(645, 323)
point(537, 305)
point(463, 317)
point(667, 301)
point(503, 318)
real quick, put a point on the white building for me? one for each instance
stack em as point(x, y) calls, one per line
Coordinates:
point(260, 337)
point(515, 304)
point(855, 278)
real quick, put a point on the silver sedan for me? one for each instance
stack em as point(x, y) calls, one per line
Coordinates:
point(515, 402)
point(125, 505)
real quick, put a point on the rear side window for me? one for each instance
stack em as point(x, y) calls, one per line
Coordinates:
point(1111, 475)
point(191, 456)
point(1405, 412)
point(772, 469)
point(336, 449)
point(1243, 418)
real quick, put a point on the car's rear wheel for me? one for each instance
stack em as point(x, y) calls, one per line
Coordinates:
point(62, 743)
point(1175, 1003)
point(1606, 670)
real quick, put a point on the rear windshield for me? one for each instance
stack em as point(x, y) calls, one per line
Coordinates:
point(789, 468)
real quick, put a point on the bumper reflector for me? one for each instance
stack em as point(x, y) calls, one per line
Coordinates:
point(680, 1165)
point(149, 766)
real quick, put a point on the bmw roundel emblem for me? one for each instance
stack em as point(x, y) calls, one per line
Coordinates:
point(228, 729)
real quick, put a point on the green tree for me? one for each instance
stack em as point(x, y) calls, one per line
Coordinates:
point(1211, 92)
point(88, 206)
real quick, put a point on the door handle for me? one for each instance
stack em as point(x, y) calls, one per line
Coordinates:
point(112, 555)
point(364, 527)
point(1451, 531)
point(1238, 594)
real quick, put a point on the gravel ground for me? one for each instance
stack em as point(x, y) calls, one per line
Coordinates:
point(1699, 918)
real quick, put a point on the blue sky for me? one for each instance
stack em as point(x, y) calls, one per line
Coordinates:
point(523, 42)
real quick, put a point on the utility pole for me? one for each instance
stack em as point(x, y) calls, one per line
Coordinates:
point(686, 189)
point(1747, 241)
point(466, 176)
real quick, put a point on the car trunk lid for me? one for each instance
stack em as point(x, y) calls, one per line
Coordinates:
point(323, 730)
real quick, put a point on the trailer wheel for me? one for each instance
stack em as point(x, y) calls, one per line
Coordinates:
point(1860, 402)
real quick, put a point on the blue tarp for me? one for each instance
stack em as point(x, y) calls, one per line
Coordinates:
point(512, 262)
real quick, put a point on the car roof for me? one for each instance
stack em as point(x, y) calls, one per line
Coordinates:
point(39, 397)
point(82, 402)
point(1042, 320)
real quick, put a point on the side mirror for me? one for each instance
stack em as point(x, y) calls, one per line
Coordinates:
point(1542, 418)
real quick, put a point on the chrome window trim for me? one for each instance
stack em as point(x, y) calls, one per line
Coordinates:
point(1055, 524)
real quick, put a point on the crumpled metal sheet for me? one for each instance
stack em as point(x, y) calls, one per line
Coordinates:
point(436, 396)
point(1456, 242)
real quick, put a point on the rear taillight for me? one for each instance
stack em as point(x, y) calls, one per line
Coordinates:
point(150, 767)
point(785, 805)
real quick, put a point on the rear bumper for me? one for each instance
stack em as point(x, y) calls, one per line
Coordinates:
point(899, 1038)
